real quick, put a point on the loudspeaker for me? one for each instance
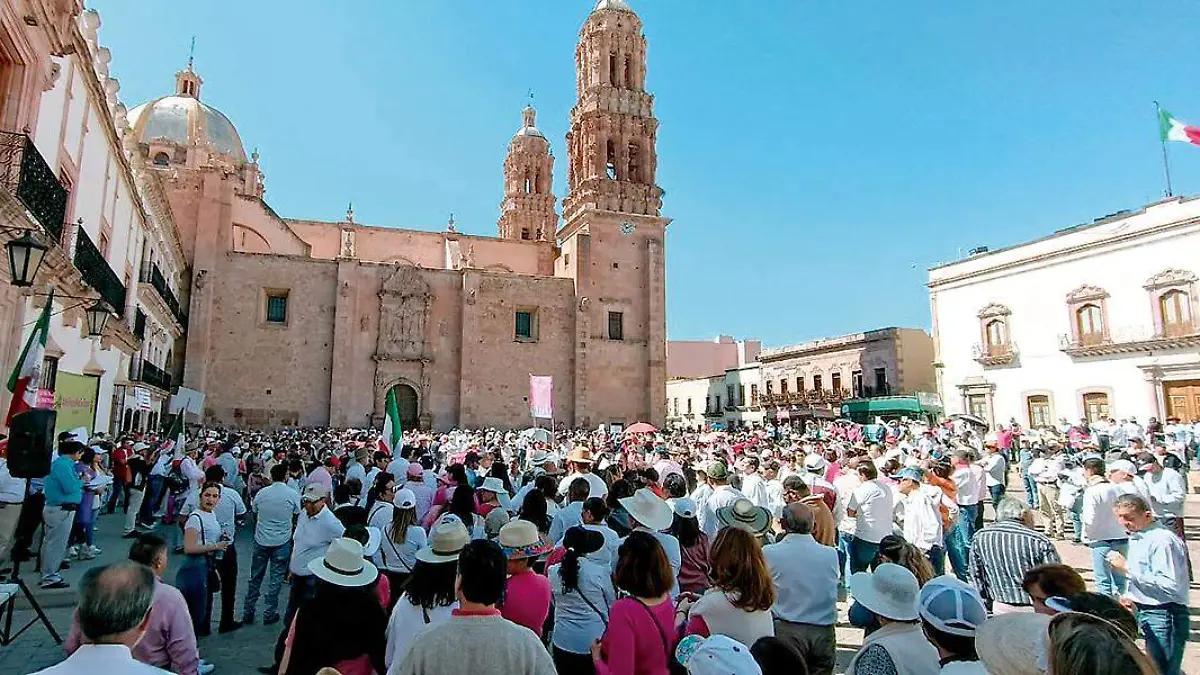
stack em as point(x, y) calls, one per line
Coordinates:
point(31, 443)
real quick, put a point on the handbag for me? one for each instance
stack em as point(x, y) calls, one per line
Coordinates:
point(214, 577)
point(674, 667)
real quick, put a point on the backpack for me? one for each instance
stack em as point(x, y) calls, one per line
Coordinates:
point(176, 482)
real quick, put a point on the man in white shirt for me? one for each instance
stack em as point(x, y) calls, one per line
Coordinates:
point(12, 496)
point(580, 460)
point(753, 486)
point(1100, 529)
point(571, 514)
point(995, 468)
point(316, 528)
point(806, 589)
point(871, 505)
point(1045, 470)
point(920, 511)
point(228, 510)
point(275, 507)
point(722, 495)
point(1168, 492)
point(845, 484)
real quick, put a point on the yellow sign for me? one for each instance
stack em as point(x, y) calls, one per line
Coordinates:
point(75, 400)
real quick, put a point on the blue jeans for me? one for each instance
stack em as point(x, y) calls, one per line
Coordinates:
point(997, 492)
point(843, 549)
point(277, 557)
point(958, 544)
point(1166, 629)
point(1031, 493)
point(937, 559)
point(862, 554)
point(1108, 581)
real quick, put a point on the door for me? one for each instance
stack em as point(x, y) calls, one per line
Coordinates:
point(406, 400)
point(1182, 399)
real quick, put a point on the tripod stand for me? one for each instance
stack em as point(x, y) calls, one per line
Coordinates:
point(6, 635)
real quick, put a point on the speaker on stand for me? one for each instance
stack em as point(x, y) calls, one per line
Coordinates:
point(30, 451)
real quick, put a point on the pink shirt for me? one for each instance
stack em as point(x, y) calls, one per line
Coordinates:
point(527, 600)
point(169, 642)
point(633, 643)
point(320, 476)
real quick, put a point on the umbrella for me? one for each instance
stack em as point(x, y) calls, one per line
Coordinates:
point(641, 428)
point(537, 434)
point(967, 417)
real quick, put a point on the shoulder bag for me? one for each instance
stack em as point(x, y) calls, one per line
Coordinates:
point(214, 577)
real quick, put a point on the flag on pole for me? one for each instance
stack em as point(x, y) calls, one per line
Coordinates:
point(1171, 129)
point(175, 435)
point(26, 378)
point(541, 402)
point(390, 441)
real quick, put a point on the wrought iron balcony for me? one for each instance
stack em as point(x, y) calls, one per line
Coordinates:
point(151, 274)
point(97, 273)
point(1131, 340)
point(995, 355)
point(25, 175)
point(141, 370)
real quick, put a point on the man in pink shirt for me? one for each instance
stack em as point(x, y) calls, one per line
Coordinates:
point(170, 641)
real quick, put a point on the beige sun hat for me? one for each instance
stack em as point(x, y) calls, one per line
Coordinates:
point(521, 539)
point(649, 509)
point(1014, 644)
point(446, 540)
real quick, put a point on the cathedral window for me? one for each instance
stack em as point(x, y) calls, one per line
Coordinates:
point(610, 160)
point(613, 72)
point(628, 72)
point(277, 307)
point(162, 159)
point(635, 162)
point(525, 234)
point(525, 329)
point(616, 326)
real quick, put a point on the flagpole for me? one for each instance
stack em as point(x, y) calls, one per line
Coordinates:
point(1162, 141)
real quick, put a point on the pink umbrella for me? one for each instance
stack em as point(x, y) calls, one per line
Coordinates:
point(641, 428)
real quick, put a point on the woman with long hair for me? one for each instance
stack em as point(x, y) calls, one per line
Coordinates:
point(1084, 644)
point(500, 470)
point(380, 494)
point(88, 467)
point(641, 635)
point(462, 505)
point(402, 538)
point(342, 626)
point(618, 517)
point(429, 597)
point(583, 591)
point(201, 542)
point(534, 509)
point(739, 603)
point(694, 547)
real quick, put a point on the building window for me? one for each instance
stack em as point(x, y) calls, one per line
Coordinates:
point(277, 307)
point(49, 373)
point(162, 159)
point(996, 336)
point(799, 384)
point(783, 387)
point(729, 393)
point(977, 406)
point(835, 382)
point(741, 399)
point(1089, 321)
point(1038, 408)
point(526, 325)
point(616, 326)
point(717, 406)
point(881, 382)
point(754, 394)
point(1095, 406)
point(525, 234)
point(818, 385)
point(856, 384)
point(1175, 308)
point(689, 406)
point(769, 388)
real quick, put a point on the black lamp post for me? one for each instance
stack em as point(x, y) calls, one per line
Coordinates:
point(97, 318)
point(25, 255)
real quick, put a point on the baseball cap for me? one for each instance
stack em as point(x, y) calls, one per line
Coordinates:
point(910, 473)
point(952, 606)
point(715, 655)
point(1122, 465)
point(313, 492)
point(404, 499)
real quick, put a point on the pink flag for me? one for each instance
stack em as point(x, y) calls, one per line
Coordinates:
point(540, 396)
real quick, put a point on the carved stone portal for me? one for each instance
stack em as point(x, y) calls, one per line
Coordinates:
point(404, 305)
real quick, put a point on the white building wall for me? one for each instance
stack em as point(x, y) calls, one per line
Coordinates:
point(1033, 281)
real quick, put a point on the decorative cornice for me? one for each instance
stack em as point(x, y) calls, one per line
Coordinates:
point(1170, 277)
point(994, 309)
point(1086, 292)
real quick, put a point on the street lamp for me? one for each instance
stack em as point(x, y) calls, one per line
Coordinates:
point(25, 256)
point(97, 318)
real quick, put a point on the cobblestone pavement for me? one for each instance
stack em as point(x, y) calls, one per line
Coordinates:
point(241, 652)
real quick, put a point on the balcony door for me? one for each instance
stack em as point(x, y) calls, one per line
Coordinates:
point(1176, 308)
point(1182, 399)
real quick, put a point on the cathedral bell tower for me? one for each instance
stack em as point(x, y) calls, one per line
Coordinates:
point(613, 233)
point(527, 211)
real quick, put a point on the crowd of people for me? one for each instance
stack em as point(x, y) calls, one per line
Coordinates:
point(624, 553)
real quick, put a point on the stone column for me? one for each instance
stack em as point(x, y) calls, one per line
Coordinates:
point(1154, 392)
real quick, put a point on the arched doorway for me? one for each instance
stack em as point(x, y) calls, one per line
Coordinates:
point(406, 401)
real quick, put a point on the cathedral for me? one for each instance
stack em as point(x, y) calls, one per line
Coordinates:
point(312, 323)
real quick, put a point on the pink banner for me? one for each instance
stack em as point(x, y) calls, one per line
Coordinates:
point(540, 396)
point(45, 398)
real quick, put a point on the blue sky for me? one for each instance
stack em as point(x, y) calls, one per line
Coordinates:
point(817, 156)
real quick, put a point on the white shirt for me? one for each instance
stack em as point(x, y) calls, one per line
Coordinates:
point(607, 556)
point(971, 484)
point(12, 490)
point(567, 517)
point(755, 489)
point(106, 659)
point(1167, 492)
point(162, 466)
point(845, 485)
point(357, 470)
point(398, 467)
point(723, 618)
point(312, 538)
point(275, 506)
point(401, 557)
point(722, 496)
point(1099, 521)
point(596, 483)
point(806, 580)
point(873, 506)
point(369, 480)
point(994, 466)
point(424, 495)
point(406, 624)
point(206, 526)
point(923, 518)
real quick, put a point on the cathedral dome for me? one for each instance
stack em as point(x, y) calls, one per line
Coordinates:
point(618, 5)
point(528, 118)
point(182, 119)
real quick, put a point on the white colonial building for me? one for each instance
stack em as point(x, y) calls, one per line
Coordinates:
point(1094, 320)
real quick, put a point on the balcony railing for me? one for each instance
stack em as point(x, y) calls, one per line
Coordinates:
point(141, 370)
point(25, 175)
point(995, 355)
point(1131, 339)
point(152, 275)
point(98, 274)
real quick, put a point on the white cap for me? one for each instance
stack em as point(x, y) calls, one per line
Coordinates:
point(716, 655)
point(405, 499)
point(952, 606)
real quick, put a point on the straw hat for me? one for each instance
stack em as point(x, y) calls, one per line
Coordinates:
point(649, 509)
point(1014, 644)
point(744, 514)
point(446, 540)
point(493, 485)
point(344, 564)
point(891, 591)
point(521, 539)
point(580, 455)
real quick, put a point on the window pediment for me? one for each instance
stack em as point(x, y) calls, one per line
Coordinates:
point(994, 309)
point(1170, 277)
point(1086, 292)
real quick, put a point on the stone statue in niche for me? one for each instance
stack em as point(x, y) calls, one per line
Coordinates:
point(347, 248)
point(404, 305)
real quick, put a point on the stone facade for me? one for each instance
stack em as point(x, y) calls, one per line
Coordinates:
point(301, 322)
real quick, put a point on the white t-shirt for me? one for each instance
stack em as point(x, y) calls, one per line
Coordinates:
point(874, 505)
point(598, 488)
point(402, 557)
point(206, 526)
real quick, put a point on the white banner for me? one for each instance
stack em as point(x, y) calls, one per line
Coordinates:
point(188, 400)
point(143, 398)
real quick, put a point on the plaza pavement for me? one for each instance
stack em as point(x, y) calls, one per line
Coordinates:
point(241, 652)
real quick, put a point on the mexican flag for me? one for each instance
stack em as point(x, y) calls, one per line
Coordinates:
point(1171, 129)
point(175, 439)
point(26, 378)
point(390, 441)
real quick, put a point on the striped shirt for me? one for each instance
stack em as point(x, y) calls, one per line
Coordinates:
point(1001, 554)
